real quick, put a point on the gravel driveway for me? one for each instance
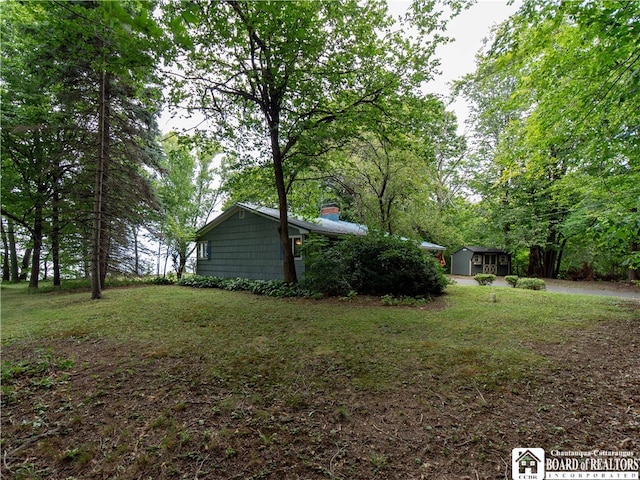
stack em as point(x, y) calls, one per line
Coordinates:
point(607, 289)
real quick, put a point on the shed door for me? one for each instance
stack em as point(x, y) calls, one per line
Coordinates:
point(490, 264)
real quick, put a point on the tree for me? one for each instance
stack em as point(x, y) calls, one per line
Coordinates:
point(185, 189)
point(287, 80)
point(567, 74)
point(89, 116)
point(402, 174)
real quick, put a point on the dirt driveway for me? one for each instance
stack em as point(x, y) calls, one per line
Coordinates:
point(609, 289)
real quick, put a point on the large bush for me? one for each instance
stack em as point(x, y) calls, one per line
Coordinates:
point(484, 278)
point(374, 264)
point(325, 267)
point(511, 280)
point(531, 284)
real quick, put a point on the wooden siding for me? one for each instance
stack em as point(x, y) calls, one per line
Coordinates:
point(462, 264)
point(246, 247)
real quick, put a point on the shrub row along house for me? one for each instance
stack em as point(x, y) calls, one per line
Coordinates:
point(243, 241)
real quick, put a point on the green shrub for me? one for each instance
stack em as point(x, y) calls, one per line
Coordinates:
point(484, 278)
point(531, 284)
point(374, 264)
point(511, 280)
point(268, 288)
point(161, 281)
point(325, 267)
point(199, 281)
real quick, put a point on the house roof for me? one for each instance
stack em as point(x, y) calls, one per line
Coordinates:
point(319, 225)
point(527, 454)
point(324, 226)
point(431, 246)
point(476, 249)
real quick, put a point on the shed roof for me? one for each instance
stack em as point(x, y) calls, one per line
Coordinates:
point(321, 225)
point(477, 249)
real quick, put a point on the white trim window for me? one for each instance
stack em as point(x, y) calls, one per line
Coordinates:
point(204, 250)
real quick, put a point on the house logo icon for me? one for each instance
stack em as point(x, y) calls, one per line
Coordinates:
point(527, 464)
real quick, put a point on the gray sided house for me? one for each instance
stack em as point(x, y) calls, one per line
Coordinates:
point(243, 241)
point(473, 260)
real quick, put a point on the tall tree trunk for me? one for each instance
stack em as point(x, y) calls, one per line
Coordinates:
point(166, 260)
point(182, 260)
point(633, 273)
point(45, 266)
point(105, 238)
point(86, 258)
point(136, 254)
point(634, 247)
point(548, 261)
point(26, 262)
point(159, 259)
point(556, 271)
point(55, 236)
point(37, 247)
point(288, 263)
point(99, 195)
point(13, 253)
point(6, 272)
point(535, 268)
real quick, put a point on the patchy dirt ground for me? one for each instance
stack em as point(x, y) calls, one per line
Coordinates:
point(120, 411)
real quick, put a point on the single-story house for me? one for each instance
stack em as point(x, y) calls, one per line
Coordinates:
point(473, 260)
point(243, 241)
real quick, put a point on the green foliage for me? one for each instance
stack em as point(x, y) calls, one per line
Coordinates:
point(391, 301)
point(511, 280)
point(321, 73)
point(484, 278)
point(396, 171)
point(326, 271)
point(79, 284)
point(185, 189)
point(531, 284)
point(556, 115)
point(78, 85)
point(162, 281)
point(374, 264)
point(268, 288)
point(43, 371)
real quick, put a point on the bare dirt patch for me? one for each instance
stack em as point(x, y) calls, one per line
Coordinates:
point(130, 411)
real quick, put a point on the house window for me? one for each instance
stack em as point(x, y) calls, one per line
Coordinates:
point(477, 259)
point(503, 260)
point(204, 250)
point(296, 247)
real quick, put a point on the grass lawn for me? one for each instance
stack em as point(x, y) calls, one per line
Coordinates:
point(175, 382)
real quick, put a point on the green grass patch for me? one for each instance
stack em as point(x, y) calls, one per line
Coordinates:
point(246, 340)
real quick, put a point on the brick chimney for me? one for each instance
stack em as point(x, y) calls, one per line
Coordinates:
point(330, 212)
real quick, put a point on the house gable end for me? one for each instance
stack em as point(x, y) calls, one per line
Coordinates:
point(243, 245)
